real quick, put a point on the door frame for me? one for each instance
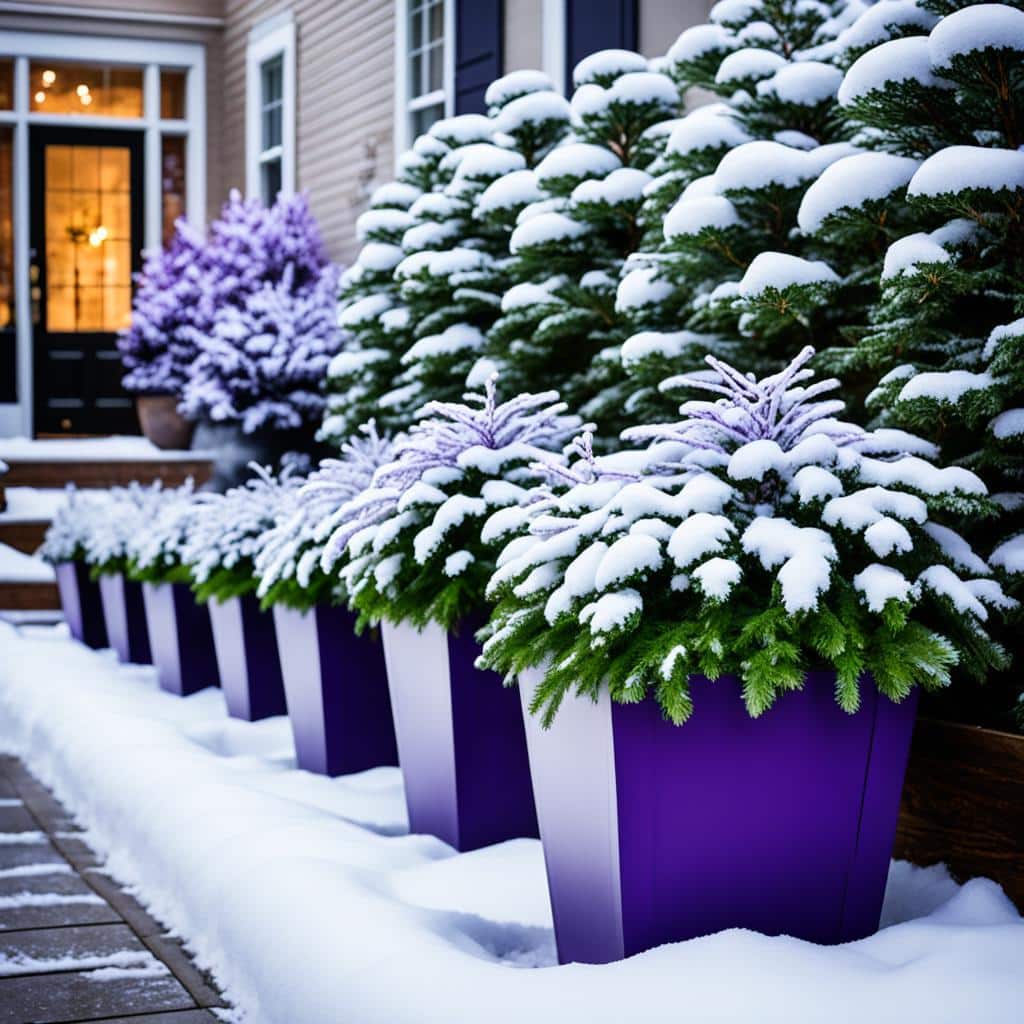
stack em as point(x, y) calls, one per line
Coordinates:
point(40, 136)
point(149, 54)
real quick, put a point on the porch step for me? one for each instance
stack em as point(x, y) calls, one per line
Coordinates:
point(16, 596)
point(23, 536)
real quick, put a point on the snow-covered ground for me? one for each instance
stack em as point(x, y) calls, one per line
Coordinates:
point(92, 449)
point(17, 567)
point(32, 504)
point(311, 904)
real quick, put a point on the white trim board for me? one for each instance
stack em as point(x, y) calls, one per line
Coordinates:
point(109, 14)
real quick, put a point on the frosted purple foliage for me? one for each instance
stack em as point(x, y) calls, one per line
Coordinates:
point(263, 363)
point(167, 316)
point(456, 436)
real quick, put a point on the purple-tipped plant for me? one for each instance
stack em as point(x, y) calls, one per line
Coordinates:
point(169, 315)
point(763, 537)
point(413, 537)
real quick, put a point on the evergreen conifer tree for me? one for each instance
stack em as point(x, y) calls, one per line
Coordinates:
point(728, 185)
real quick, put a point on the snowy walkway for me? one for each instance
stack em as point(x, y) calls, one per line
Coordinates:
point(309, 903)
point(73, 945)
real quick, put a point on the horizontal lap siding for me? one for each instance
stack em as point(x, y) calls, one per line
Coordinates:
point(345, 71)
point(190, 8)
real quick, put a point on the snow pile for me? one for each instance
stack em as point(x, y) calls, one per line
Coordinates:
point(17, 567)
point(307, 900)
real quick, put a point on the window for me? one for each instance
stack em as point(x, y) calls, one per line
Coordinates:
point(56, 88)
point(173, 170)
point(270, 109)
point(424, 67)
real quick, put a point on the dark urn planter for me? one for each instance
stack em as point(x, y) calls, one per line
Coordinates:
point(657, 833)
point(461, 742)
point(162, 423)
point(247, 659)
point(180, 638)
point(336, 690)
point(125, 614)
point(80, 601)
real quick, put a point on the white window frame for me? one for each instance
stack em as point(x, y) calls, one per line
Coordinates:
point(553, 42)
point(148, 54)
point(405, 106)
point(274, 37)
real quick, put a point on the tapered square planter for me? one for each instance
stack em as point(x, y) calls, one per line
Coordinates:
point(180, 638)
point(336, 690)
point(125, 615)
point(656, 833)
point(247, 658)
point(81, 604)
point(461, 742)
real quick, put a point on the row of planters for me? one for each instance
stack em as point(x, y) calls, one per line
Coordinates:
point(719, 624)
point(759, 557)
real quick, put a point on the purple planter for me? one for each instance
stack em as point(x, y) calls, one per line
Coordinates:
point(336, 690)
point(125, 616)
point(180, 638)
point(461, 742)
point(80, 602)
point(247, 659)
point(656, 833)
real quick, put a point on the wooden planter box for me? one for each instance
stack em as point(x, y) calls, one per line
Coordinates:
point(963, 803)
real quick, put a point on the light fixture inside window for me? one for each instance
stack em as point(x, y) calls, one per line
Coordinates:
point(49, 77)
point(86, 99)
point(40, 96)
point(82, 90)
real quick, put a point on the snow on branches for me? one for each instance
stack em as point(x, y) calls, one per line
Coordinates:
point(762, 536)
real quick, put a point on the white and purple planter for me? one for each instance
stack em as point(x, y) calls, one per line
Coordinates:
point(125, 615)
point(336, 690)
point(180, 638)
point(658, 833)
point(461, 742)
point(81, 604)
point(250, 670)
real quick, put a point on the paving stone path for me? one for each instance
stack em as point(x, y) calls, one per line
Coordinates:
point(73, 946)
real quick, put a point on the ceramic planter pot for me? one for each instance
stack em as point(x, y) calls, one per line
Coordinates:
point(125, 616)
point(461, 742)
point(162, 423)
point(657, 833)
point(336, 690)
point(180, 638)
point(81, 604)
point(247, 659)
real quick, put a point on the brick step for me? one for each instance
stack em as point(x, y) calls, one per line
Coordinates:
point(23, 535)
point(18, 596)
point(56, 473)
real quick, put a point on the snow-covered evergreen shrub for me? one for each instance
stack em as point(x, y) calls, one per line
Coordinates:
point(127, 512)
point(169, 314)
point(225, 534)
point(69, 533)
point(944, 101)
point(263, 362)
point(413, 538)
point(728, 182)
point(578, 219)
point(763, 538)
point(288, 554)
point(428, 281)
point(155, 553)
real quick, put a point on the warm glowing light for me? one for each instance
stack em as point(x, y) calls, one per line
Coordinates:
point(49, 77)
point(40, 96)
point(82, 90)
point(101, 233)
point(86, 100)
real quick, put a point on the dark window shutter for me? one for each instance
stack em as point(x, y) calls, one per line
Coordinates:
point(592, 25)
point(478, 49)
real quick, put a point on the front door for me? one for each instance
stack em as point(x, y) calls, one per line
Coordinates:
point(86, 241)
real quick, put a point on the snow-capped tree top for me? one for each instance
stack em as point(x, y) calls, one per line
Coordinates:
point(757, 536)
point(289, 551)
point(516, 84)
point(604, 66)
point(71, 529)
point(412, 536)
point(974, 29)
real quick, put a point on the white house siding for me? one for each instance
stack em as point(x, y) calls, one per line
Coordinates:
point(661, 21)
